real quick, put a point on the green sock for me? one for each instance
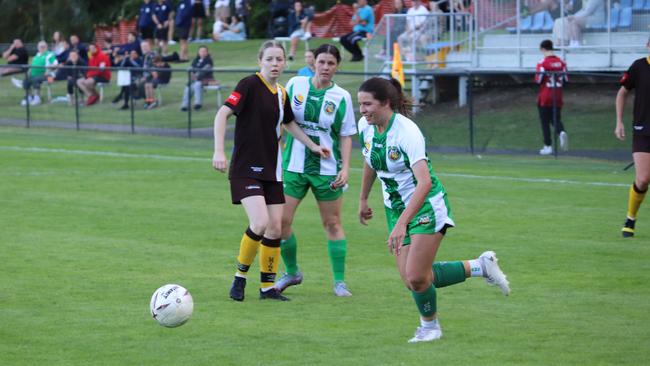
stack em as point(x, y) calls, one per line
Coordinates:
point(289, 250)
point(448, 273)
point(426, 301)
point(337, 250)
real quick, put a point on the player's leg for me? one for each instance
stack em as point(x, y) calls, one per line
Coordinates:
point(270, 250)
point(546, 118)
point(638, 190)
point(559, 129)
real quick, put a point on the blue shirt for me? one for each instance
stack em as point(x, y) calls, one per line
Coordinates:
point(306, 71)
point(184, 14)
point(145, 20)
point(368, 15)
point(162, 11)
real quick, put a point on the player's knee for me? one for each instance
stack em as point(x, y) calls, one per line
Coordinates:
point(417, 282)
point(273, 229)
point(333, 226)
point(259, 226)
point(642, 181)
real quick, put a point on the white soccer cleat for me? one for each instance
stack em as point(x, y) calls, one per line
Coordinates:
point(423, 334)
point(546, 150)
point(35, 100)
point(494, 274)
point(17, 83)
point(564, 141)
point(288, 280)
point(341, 289)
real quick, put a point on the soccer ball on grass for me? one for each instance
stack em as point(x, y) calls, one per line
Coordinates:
point(171, 305)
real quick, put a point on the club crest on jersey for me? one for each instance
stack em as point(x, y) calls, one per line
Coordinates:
point(298, 99)
point(329, 107)
point(393, 153)
point(366, 147)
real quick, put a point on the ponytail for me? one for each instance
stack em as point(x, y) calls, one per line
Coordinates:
point(388, 91)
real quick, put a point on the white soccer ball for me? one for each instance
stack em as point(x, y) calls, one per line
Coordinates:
point(171, 305)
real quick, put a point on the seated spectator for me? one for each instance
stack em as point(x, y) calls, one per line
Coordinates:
point(133, 61)
point(202, 75)
point(219, 26)
point(71, 74)
point(299, 26)
point(235, 31)
point(415, 26)
point(65, 53)
point(161, 77)
point(40, 71)
point(148, 55)
point(16, 54)
point(591, 14)
point(221, 10)
point(99, 74)
point(363, 23)
point(81, 48)
point(310, 69)
point(58, 45)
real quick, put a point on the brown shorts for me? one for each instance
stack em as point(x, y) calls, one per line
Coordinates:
point(640, 143)
point(241, 188)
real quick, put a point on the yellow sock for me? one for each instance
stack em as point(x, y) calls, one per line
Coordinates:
point(269, 261)
point(634, 202)
point(247, 251)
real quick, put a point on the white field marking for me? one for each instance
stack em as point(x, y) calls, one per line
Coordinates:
point(187, 158)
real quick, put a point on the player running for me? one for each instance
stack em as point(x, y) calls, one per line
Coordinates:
point(415, 201)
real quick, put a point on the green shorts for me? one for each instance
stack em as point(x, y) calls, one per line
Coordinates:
point(434, 216)
point(296, 185)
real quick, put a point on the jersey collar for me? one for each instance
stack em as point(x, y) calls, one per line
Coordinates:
point(647, 59)
point(271, 89)
point(390, 124)
point(311, 85)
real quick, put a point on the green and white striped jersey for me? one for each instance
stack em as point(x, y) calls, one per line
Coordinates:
point(324, 115)
point(391, 154)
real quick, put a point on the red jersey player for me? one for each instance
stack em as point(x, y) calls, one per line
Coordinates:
point(550, 74)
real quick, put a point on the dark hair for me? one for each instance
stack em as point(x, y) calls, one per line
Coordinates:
point(388, 91)
point(329, 49)
point(546, 44)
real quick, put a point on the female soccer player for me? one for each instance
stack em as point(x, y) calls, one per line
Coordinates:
point(324, 112)
point(261, 105)
point(417, 210)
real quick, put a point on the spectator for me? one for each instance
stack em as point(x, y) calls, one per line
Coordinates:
point(71, 74)
point(63, 56)
point(81, 48)
point(146, 25)
point(132, 61)
point(16, 54)
point(182, 22)
point(58, 45)
point(299, 26)
point(162, 18)
point(161, 77)
point(310, 69)
point(415, 25)
point(591, 14)
point(221, 10)
point(200, 9)
point(202, 75)
point(148, 56)
point(233, 33)
point(41, 69)
point(363, 23)
point(99, 74)
point(241, 10)
point(219, 26)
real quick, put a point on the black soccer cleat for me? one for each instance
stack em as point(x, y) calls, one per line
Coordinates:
point(628, 228)
point(272, 294)
point(237, 289)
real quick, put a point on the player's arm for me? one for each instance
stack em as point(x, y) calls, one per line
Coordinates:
point(300, 135)
point(219, 161)
point(367, 179)
point(422, 188)
point(346, 152)
point(621, 97)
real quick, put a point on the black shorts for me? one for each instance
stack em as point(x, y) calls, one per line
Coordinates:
point(241, 188)
point(198, 11)
point(100, 79)
point(161, 33)
point(183, 32)
point(146, 32)
point(640, 143)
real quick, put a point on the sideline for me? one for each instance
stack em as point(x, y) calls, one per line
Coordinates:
point(205, 160)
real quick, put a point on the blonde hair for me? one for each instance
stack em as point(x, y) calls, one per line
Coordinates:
point(270, 44)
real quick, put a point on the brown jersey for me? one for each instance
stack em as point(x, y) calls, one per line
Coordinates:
point(260, 109)
point(637, 77)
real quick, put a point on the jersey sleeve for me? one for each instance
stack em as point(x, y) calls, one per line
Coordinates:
point(237, 99)
point(348, 127)
point(288, 112)
point(539, 72)
point(413, 145)
point(362, 127)
point(628, 78)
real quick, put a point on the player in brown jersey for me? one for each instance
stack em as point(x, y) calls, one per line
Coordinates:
point(637, 77)
point(261, 106)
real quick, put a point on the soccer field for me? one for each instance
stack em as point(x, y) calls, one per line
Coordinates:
point(92, 224)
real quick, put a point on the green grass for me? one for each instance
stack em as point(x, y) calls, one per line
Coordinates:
point(93, 223)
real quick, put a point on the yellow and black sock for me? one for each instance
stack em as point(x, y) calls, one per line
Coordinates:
point(269, 262)
point(247, 252)
point(634, 201)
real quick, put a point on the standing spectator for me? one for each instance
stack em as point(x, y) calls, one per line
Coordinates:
point(310, 69)
point(221, 10)
point(182, 22)
point(99, 74)
point(71, 73)
point(161, 17)
point(16, 54)
point(235, 31)
point(41, 69)
point(299, 26)
point(202, 75)
point(637, 77)
point(146, 25)
point(551, 75)
point(199, 12)
point(363, 23)
point(76, 45)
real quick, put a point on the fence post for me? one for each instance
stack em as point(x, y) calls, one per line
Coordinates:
point(555, 134)
point(76, 99)
point(132, 105)
point(26, 98)
point(189, 103)
point(470, 108)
